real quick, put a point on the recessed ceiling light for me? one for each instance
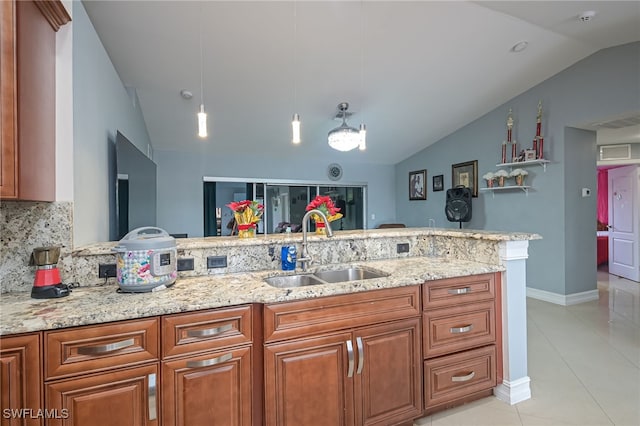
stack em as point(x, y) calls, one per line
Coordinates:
point(520, 46)
point(186, 94)
point(587, 15)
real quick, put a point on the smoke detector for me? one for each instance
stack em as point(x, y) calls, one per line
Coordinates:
point(186, 94)
point(587, 15)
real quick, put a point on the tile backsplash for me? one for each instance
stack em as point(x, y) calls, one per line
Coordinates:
point(25, 225)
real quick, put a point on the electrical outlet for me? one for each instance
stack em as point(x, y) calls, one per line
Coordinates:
point(185, 264)
point(106, 270)
point(402, 248)
point(216, 262)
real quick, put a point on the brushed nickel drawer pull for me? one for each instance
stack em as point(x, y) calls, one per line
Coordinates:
point(153, 392)
point(463, 378)
point(463, 290)
point(458, 330)
point(360, 355)
point(103, 349)
point(209, 331)
point(209, 362)
point(350, 355)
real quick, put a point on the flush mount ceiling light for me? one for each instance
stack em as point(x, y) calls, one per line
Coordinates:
point(344, 138)
point(520, 46)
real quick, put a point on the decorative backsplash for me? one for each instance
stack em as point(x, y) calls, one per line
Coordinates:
point(26, 225)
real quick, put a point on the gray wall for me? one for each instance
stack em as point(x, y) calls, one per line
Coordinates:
point(180, 174)
point(601, 86)
point(101, 106)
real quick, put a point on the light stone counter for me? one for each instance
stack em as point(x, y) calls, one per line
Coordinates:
point(97, 304)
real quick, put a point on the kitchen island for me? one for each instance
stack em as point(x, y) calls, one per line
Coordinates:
point(427, 255)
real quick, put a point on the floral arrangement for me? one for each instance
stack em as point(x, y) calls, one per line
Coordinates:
point(519, 174)
point(500, 176)
point(489, 177)
point(247, 213)
point(326, 206)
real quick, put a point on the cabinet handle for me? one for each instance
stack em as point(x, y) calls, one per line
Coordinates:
point(463, 290)
point(209, 331)
point(463, 378)
point(360, 355)
point(153, 411)
point(465, 329)
point(209, 362)
point(351, 360)
point(102, 349)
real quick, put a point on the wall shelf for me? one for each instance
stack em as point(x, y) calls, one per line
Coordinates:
point(541, 162)
point(493, 190)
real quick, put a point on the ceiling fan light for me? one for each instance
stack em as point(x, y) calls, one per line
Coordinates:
point(363, 137)
point(344, 138)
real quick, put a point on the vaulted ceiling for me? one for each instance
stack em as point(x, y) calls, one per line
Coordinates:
point(413, 71)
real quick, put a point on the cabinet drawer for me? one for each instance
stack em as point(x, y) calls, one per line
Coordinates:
point(101, 347)
point(457, 328)
point(456, 376)
point(302, 318)
point(458, 290)
point(203, 331)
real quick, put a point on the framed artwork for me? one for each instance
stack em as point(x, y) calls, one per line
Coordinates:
point(438, 183)
point(417, 185)
point(465, 174)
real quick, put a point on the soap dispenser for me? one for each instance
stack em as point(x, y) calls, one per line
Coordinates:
point(288, 254)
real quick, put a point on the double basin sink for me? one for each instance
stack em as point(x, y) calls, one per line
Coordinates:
point(324, 277)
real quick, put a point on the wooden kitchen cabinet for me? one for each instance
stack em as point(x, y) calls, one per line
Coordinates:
point(104, 375)
point(209, 370)
point(361, 364)
point(20, 379)
point(27, 100)
point(122, 397)
point(462, 340)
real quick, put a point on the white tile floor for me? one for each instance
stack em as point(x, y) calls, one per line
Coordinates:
point(584, 364)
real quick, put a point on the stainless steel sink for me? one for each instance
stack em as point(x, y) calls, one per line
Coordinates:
point(324, 277)
point(293, 281)
point(349, 274)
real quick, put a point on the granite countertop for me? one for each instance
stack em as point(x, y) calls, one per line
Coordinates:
point(20, 313)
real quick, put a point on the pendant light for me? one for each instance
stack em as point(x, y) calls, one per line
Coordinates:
point(363, 127)
point(295, 123)
point(202, 115)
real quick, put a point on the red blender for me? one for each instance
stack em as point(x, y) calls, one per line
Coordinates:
point(47, 283)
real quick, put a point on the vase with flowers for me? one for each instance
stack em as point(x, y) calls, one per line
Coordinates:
point(500, 176)
point(490, 178)
point(324, 203)
point(247, 214)
point(519, 174)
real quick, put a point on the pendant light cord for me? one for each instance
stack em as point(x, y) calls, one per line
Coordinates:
point(201, 61)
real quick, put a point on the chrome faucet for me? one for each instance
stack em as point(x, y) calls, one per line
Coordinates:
point(306, 258)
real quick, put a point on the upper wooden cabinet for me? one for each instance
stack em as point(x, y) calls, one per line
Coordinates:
point(27, 104)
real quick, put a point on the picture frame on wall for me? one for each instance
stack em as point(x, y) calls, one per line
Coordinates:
point(438, 183)
point(418, 185)
point(465, 174)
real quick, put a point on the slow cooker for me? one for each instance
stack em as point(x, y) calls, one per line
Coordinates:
point(146, 259)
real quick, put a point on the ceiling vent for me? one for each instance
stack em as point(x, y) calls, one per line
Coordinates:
point(620, 123)
point(615, 152)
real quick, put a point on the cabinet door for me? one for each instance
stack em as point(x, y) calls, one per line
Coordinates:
point(307, 383)
point(209, 389)
point(8, 102)
point(123, 397)
point(388, 373)
point(20, 380)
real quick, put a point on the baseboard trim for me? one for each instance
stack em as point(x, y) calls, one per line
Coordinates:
point(513, 392)
point(561, 299)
